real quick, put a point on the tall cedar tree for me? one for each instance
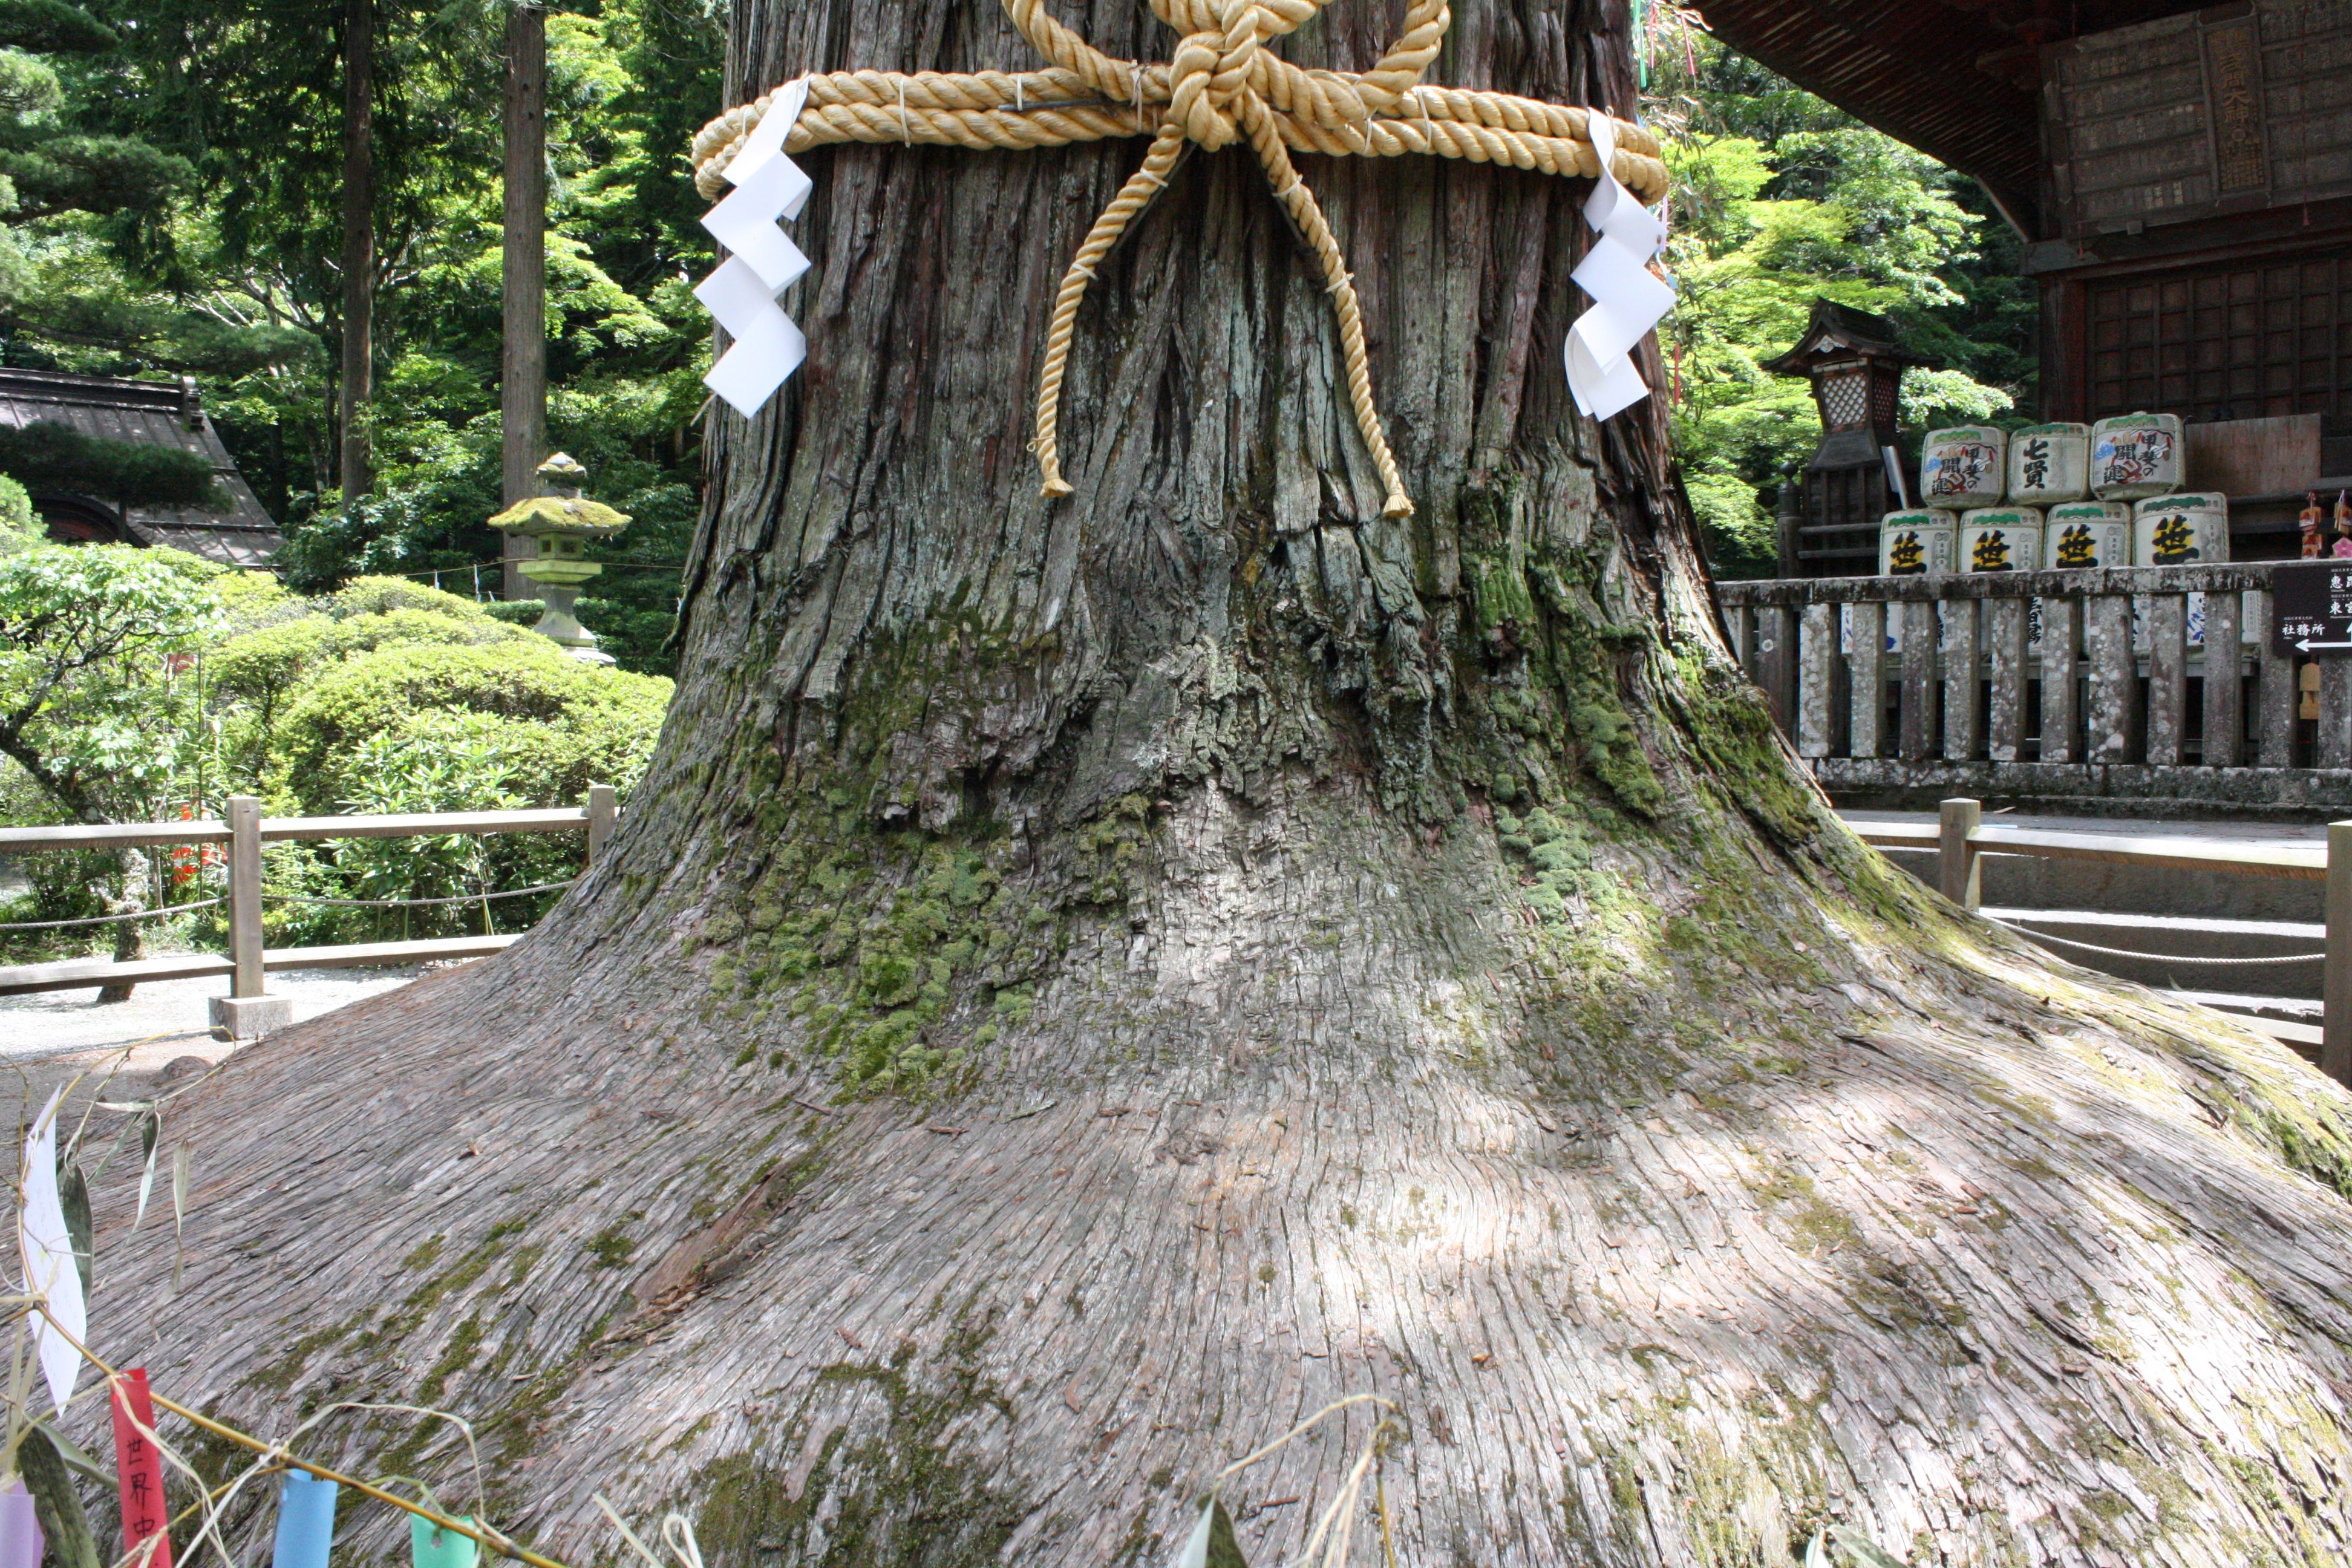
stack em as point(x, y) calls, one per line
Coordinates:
point(1086, 983)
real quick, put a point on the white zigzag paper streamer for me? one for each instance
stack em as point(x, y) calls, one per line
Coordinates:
point(764, 262)
point(1628, 298)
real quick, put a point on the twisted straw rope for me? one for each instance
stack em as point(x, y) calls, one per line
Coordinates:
point(1221, 87)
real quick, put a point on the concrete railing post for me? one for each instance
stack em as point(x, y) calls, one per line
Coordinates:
point(2336, 1019)
point(1956, 858)
point(245, 1013)
point(603, 815)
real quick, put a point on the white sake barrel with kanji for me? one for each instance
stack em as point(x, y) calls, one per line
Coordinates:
point(2087, 533)
point(2135, 456)
point(2049, 464)
point(1962, 467)
point(2000, 539)
point(1923, 541)
point(2189, 529)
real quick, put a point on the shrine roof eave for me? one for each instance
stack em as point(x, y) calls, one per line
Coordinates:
point(1956, 78)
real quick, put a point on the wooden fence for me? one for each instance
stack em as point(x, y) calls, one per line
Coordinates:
point(1959, 835)
point(2048, 685)
point(244, 831)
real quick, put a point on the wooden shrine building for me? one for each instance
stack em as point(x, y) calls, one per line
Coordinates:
point(2182, 177)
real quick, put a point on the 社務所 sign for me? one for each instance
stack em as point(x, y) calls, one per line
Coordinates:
point(2310, 609)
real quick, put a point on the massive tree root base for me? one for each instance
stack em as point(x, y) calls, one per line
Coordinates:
point(1749, 1191)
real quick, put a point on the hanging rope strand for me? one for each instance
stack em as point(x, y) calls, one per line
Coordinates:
point(1133, 198)
point(1221, 85)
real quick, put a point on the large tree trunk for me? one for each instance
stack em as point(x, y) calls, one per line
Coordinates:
point(1087, 983)
point(357, 381)
point(522, 290)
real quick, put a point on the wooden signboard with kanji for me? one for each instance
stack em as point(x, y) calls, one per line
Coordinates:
point(2230, 108)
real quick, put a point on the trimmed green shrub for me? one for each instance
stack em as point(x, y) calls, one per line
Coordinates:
point(564, 724)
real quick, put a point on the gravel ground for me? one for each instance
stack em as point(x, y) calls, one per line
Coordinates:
point(58, 1033)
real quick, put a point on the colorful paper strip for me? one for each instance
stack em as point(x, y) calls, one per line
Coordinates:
point(20, 1530)
point(306, 1522)
point(433, 1547)
point(139, 1469)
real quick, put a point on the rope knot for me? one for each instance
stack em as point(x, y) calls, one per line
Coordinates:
point(1214, 73)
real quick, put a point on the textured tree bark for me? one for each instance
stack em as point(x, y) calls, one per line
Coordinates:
point(522, 290)
point(358, 370)
point(1087, 983)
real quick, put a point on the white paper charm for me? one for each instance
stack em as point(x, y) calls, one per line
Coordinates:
point(1628, 298)
point(741, 294)
point(46, 1248)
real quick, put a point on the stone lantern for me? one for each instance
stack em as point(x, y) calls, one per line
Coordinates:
point(559, 526)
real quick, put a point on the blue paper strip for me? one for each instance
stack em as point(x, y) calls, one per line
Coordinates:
point(20, 1532)
point(306, 1522)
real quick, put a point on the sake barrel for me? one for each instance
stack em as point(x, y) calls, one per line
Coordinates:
point(1961, 467)
point(2000, 539)
point(2182, 530)
point(2087, 533)
point(2048, 464)
point(1923, 541)
point(2135, 456)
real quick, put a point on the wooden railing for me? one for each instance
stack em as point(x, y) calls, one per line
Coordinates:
point(1960, 836)
point(2039, 684)
point(249, 1009)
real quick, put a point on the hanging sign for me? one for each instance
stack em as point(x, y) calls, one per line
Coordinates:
point(2310, 609)
point(139, 1471)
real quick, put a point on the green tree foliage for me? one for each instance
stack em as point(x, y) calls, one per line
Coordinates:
point(1779, 198)
point(244, 91)
point(55, 457)
point(144, 684)
point(95, 703)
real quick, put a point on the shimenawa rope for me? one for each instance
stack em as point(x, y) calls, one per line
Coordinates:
point(1221, 86)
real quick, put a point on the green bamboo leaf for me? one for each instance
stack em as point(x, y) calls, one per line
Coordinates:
point(1817, 1551)
point(180, 1160)
point(56, 1504)
point(76, 1459)
point(1212, 1543)
point(150, 1130)
point(73, 1198)
point(1862, 1550)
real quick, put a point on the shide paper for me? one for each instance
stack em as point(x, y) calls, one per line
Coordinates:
point(46, 1248)
point(1628, 298)
point(763, 262)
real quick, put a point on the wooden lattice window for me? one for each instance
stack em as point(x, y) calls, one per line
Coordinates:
point(1846, 398)
point(2225, 342)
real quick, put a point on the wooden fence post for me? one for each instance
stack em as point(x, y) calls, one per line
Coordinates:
point(2336, 1018)
point(245, 1013)
point(603, 815)
point(1956, 858)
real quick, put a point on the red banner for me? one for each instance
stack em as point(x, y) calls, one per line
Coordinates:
point(139, 1469)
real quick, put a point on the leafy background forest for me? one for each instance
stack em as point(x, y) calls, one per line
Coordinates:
point(171, 204)
point(175, 211)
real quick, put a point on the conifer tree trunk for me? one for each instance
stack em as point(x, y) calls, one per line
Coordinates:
point(1087, 983)
point(522, 392)
point(357, 383)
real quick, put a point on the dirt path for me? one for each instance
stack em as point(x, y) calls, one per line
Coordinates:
point(57, 1033)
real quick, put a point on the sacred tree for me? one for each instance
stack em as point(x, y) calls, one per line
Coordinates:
point(1308, 908)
